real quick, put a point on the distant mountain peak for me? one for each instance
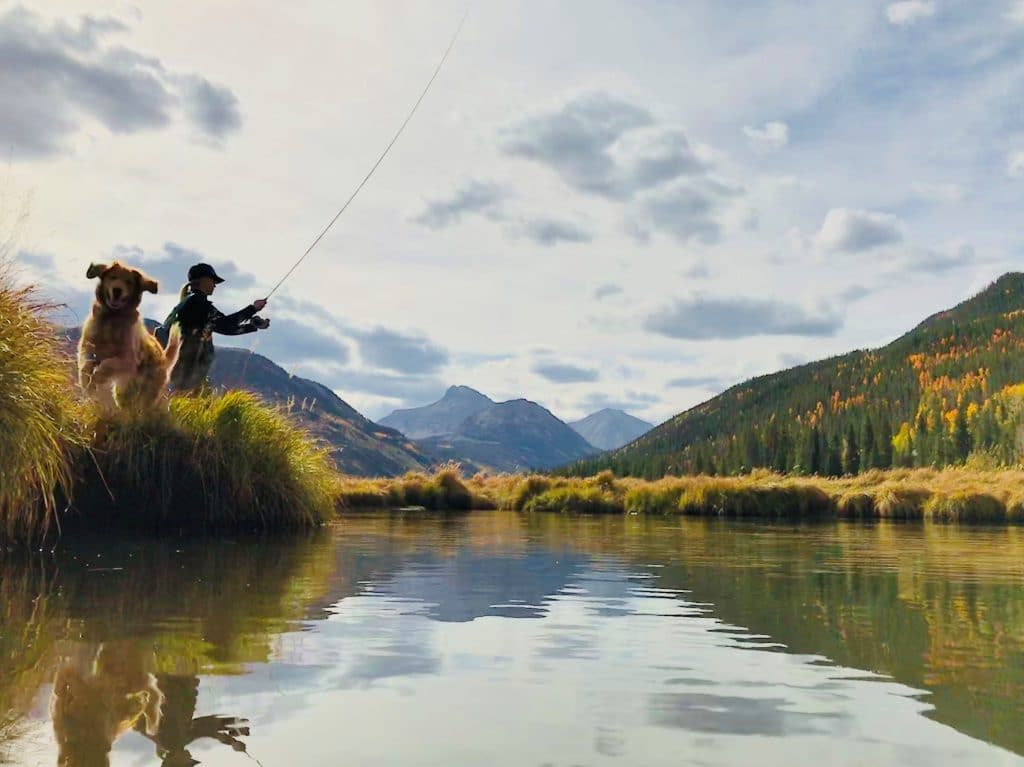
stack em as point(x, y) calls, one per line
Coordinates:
point(440, 417)
point(459, 391)
point(610, 428)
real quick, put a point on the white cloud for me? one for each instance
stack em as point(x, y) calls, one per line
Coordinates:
point(774, 135)
point(849, 230)
point(1015, 164)
point(907, 12)
point(1016, 12)
point(600, 143)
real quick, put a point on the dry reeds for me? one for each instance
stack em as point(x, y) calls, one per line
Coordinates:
point(38, 423)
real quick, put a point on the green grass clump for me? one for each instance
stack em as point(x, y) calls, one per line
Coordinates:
point(965, 506)
point(901, 501)
point(653, 498)
point(215, 461)
point(762, 498)
point(575, 500)
point(856, 504)
point(445, 490)
point(527, 489)
point(38, 421)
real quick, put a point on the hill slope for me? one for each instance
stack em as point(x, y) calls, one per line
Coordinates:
point(511, 436)
point(609, 428)
point(360, 446)
point(948, 387)
point(441, 417)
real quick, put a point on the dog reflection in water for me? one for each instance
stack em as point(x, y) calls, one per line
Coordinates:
point(101, 693)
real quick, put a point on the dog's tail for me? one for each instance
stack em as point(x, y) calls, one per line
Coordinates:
point(173, 350)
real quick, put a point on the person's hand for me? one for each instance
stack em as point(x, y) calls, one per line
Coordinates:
point(259, 303)
point(261, 323)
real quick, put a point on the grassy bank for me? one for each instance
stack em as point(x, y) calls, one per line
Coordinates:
point(949, 495)
point(218, 461)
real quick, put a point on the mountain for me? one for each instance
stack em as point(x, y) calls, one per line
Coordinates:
point(952, 386)
point(441, 417)
point(518, 435)
point(609, 428)
point(359, 446)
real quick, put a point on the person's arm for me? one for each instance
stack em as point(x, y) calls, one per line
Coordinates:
point(228, 324)
point(238, 323)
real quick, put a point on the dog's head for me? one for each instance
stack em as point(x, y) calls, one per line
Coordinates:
point(120, 287)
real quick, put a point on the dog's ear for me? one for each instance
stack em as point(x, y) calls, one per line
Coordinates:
point(147, 284)
point(95, 270)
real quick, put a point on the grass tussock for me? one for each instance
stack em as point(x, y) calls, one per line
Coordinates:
point(215, 461)
point(38, 414)
point(445, 490)
point(950, 495)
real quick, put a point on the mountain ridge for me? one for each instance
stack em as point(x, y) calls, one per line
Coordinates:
point(610, 428)
point(516, 435)
point(931, 397)
point(440, 417)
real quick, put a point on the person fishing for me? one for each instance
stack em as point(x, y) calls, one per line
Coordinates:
point(199, 319)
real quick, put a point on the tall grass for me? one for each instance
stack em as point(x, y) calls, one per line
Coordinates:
point(950, 495)
point(445, 490)
point(38, 422)
point(214, 461)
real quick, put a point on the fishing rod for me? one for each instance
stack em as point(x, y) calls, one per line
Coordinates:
point(380, 159)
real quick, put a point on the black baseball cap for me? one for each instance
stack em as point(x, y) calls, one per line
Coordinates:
point(203, 270)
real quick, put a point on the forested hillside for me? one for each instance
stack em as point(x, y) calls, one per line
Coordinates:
point(951, 387)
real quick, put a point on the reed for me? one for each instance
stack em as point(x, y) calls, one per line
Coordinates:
point(38, 415)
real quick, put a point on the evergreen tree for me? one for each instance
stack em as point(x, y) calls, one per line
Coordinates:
point(814, 462)
point(867, 446)
point(961, 435)
point(834, 459)
point(851, 452)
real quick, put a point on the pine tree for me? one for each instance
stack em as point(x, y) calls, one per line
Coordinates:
point(834, 459)
point(961, 435)
point(867, 446)
point(814, 463)
point(851, 453)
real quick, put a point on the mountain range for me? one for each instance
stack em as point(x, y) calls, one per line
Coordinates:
point(950, 388)
point(471, 428)
point(464, 425)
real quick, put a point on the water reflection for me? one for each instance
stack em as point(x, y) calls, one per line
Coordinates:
point(509, 640)
point(101, 692)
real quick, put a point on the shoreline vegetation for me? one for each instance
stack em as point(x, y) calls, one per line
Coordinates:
point(940, 495)
point(227, 461)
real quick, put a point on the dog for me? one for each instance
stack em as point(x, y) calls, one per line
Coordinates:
point(116, 352)
point(99, 694)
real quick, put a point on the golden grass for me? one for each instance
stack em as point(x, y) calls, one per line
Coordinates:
point(214, 461)
point(949, 495)
point(38, 414)
point(445, 490)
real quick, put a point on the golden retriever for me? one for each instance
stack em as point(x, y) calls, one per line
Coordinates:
point(99, 695)
point(116, 352)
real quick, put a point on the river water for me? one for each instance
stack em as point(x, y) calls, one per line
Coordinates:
point(498, 639)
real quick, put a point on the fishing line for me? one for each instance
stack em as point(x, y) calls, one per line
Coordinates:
point(380, 159)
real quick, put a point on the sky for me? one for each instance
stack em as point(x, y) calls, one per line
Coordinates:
point(599, 203)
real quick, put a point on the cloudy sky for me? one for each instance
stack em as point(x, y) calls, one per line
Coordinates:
point(599, 203)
